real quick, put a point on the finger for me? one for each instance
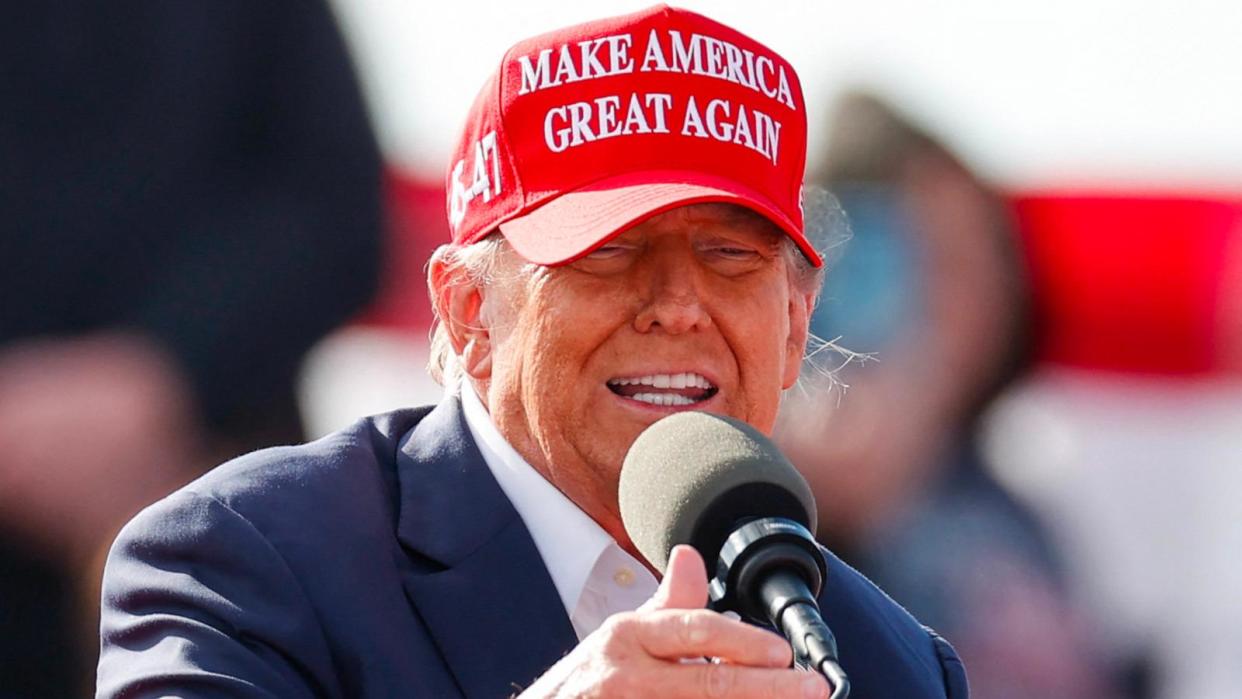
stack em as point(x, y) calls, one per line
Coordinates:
point(737, 682)
point(675, 634)
point(685, 582)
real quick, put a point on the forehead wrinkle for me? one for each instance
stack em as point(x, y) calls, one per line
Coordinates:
point(733, 214)
point(708, 217)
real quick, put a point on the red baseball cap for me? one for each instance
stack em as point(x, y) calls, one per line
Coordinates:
point(586, 131)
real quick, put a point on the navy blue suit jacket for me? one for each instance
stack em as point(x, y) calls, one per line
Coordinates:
point(385, 561)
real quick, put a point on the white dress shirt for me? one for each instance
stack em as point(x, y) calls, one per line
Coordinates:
point(594, 576)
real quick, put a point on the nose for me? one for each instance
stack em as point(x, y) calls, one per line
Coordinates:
point(675, 303)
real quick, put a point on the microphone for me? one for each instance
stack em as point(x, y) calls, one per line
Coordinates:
point(721, 486)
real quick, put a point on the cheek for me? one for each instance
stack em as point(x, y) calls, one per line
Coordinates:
point(756, 325)
point(560, 348)
point(568, 351)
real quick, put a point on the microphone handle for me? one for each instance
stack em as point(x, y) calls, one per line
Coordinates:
point(793, 610)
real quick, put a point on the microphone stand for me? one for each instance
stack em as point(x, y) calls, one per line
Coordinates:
point(771, 570)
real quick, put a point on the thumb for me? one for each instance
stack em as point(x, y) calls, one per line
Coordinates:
point(685, 582)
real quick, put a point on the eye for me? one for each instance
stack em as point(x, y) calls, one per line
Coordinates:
point(733, 252)
point(608, 251)
point(736, 252)
point(609, 258)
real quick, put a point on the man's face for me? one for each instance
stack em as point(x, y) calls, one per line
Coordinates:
point(692, 309)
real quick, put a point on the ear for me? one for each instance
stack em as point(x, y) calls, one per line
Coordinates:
point(459, 304)
point(800, 306)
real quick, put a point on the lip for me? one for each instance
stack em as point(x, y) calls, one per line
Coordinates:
point(648, 412)
point(638, 373)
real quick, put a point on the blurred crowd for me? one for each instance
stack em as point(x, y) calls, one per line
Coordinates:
point(190, 196)
point(1024, 425)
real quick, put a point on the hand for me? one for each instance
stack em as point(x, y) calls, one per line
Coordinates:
point(640, 654)
point(91, 429)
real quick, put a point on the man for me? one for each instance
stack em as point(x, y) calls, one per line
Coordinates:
point(628, 242)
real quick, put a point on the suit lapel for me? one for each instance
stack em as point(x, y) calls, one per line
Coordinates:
point(478, 582)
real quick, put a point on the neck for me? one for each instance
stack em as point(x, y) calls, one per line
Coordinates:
point(607, 516)
point(584, 492)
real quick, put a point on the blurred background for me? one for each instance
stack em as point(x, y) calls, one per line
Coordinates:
point(216, 220)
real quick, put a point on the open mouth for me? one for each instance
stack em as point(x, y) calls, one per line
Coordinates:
point(664, 390)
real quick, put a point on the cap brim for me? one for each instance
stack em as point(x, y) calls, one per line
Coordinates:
point(577, 222)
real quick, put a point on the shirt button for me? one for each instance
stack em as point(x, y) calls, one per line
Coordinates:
point(623, 577)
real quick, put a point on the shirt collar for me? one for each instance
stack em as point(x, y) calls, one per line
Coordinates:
point(568, 540)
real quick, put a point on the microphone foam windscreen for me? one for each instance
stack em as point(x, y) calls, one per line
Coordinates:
point(691, 477)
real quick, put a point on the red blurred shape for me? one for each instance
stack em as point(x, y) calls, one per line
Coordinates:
point(417, 225)
point(1131, 282)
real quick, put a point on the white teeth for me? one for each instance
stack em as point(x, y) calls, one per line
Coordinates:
point(684, 380)
point(665, 399)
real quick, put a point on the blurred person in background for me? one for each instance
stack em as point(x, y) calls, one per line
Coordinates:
point(1127, 437)
point(189, 198)
point(931, 283)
